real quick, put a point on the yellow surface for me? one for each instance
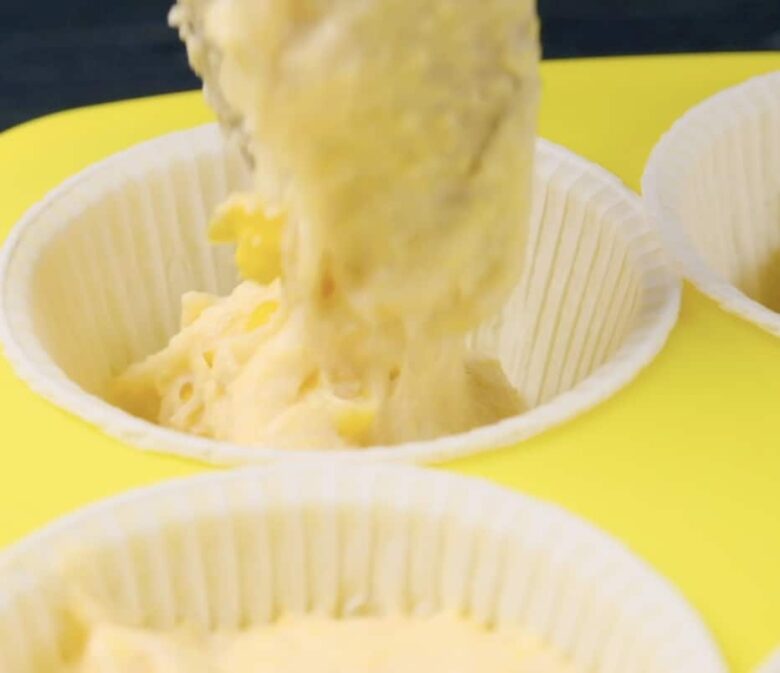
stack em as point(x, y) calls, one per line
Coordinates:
point(683, 465)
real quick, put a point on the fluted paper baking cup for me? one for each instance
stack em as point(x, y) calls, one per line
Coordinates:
point(92, 280)
point(711, 188)
point(771, 665)
point(236, 549)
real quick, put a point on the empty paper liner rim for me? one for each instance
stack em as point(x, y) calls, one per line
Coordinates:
point(772, 664)
point(666, 189)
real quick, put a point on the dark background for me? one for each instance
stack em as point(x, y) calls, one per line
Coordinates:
point(56, 54)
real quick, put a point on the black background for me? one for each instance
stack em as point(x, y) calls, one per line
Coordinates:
point(56, 54)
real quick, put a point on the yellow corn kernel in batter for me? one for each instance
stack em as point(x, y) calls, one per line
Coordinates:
point(257, 234)
point(354, 424)
point(261, 315)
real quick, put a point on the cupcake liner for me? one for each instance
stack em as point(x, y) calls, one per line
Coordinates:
point(231, 550)
point(711, 189)
point(92, 280)
point(771, 665)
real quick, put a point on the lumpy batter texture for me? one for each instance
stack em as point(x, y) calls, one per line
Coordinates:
point(316, 645)
point(392, 145)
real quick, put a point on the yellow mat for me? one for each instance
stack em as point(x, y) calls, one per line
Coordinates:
point(683, 465)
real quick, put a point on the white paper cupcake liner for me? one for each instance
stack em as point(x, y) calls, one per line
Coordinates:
point(230, 550)
point(711, 188)
point(92, 278)
point(772, 664)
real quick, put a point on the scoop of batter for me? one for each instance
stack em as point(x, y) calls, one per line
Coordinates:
point(392, 144)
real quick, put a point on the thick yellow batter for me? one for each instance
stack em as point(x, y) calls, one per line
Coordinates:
point(392, 144)
point(315, 645)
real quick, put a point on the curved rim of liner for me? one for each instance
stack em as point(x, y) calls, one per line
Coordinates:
point(657, 315)
point(772, 664)
point(661, 189)
point(324, 479)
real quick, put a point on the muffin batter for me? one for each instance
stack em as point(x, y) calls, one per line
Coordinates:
point(392, 145)
point(317, 645)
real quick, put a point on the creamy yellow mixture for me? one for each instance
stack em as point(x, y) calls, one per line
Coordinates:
point(315, 645)
point(392, 145)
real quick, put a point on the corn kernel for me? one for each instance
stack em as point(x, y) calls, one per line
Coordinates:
point(257, 234)
point(261, 315)
point(355, 423)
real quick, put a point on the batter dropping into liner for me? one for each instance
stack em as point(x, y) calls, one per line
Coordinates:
point(392, 145)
